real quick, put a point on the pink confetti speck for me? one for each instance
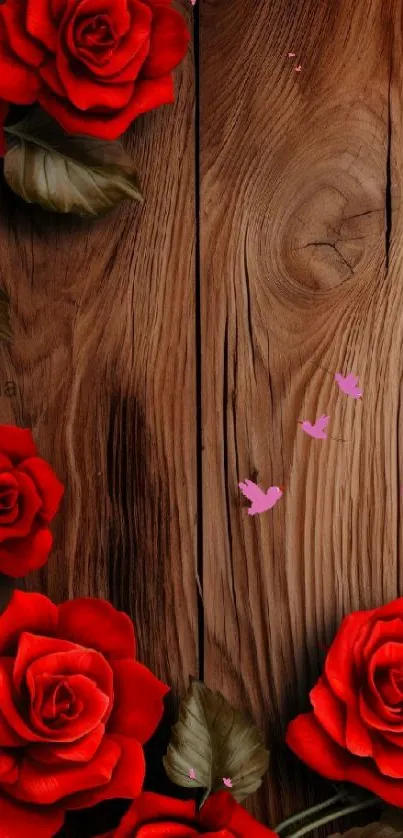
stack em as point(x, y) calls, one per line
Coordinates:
point(192, 774)
point(291, 54)
point(227, 782)
point(298, 69)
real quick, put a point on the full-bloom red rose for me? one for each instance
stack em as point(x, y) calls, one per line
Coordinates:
point(355, 732)
point(154, 816)
point(75, 710)
point(30, 495)
point(94, 65)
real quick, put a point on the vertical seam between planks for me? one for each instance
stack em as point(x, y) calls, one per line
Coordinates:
point(198, 337)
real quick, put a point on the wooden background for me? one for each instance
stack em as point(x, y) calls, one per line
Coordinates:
point(165, 353)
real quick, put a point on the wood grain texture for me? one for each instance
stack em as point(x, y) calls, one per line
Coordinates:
point(301, 267)
point(106, 381)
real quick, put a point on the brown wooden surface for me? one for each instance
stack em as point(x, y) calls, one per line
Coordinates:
point(155, 381)
point(300, 265)
point(104, 362)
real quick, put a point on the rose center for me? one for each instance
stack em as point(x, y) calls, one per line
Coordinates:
point(389, 682)
point(94, 33)
point(58, 701)
point(8, 499)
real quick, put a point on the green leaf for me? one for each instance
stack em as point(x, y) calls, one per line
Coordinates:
point(5, 328)
point(216, 741)
point(64, 173)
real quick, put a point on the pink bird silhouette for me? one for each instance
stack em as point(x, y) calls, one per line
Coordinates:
point(261, 501)
point(227, 782)
point(317, 430)
point(348, 385)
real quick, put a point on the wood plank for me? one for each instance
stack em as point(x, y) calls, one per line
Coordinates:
point(104, 362)
point(301, 176)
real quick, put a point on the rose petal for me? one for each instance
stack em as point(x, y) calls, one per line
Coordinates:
point(329, 711)
point(138, 706)
point(8, 737)
point(148, 94)
point(29, 504)
point(9, 710)
point(18, 820)
point(240, 823)
point(26, 612)
point(37, 784)
point(18, 557)
point(40, 25)
point(82, 750)
point(24, 47)
point(169, 42)
point(374, 720)
point(9, 491)
point(339, 664)
point(48, 486)
point(127, 779)
point(85, 93)
point(5, 462)
point(34, 646)
point(390, 610)
point(95, 623)
point(358, 739)
point(382, 631)
point(8, 767)
point(16, 443)
point(314, 747)
point(50, 76)
point(388, 758)
point(155, 807)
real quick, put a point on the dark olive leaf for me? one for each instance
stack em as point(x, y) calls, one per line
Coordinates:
point(5, 328)
point(216, 741)
point(393, 817)
point(7, 585)
point(390, 825)
point(371, 830)
point(67, 174)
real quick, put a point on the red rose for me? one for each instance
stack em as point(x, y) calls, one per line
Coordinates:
point(94, 65)
point(75, 710)
point(154, 816)
point(355, 732)
point(3, 114)
point(30, 495)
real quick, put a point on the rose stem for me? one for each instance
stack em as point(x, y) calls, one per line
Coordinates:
point(306, 812)
point(340, 813)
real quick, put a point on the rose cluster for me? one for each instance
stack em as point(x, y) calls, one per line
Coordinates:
point(94, 65)
point(355, 730)
point(76, 708)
